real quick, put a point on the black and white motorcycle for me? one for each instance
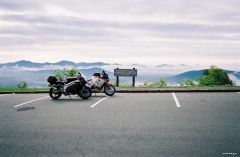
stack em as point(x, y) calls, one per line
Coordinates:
point(72, 85)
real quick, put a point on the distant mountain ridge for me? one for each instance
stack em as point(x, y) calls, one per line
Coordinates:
point(29, 64)
point(169, 65)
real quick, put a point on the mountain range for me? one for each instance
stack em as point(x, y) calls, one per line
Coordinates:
point(35, 74)
point(29, 64)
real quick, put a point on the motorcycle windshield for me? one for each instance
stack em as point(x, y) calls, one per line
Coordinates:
point(105, 76)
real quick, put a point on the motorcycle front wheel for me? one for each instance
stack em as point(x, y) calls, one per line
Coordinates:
point(54, 94)
point(85, 93)
point(109, 90)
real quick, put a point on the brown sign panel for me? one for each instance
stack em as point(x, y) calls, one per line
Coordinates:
point(125, 72)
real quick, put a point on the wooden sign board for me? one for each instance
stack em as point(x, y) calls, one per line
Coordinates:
point(125, 72)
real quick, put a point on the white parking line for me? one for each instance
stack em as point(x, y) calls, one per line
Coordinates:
point(94, 105)
point(238, 92)
point(31, 101)
point(176, 100)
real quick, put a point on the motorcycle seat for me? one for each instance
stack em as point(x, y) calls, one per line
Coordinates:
point(61, 81)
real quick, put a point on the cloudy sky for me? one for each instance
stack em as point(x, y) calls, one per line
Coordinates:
point(121, 31)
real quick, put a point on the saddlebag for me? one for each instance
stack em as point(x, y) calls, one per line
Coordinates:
point(52, 79)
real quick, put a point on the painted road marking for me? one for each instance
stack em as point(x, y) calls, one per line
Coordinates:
point(94, 105)
point(31, 101)
point(176, 100)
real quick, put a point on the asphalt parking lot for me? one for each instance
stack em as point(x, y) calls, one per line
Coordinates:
point(125, 125)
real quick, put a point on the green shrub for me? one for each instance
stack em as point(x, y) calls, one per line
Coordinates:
point(215, 77)
point(22, 85)
point(64, 73)
point(156, 84)
point(161, 83)
point(187, 82)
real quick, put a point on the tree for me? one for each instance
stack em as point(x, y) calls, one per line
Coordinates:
point(22, 85)
point(205, 72)
point(161, 83)
point(187, 82)
point(62, 74)
point(72, 72)
point(215, 77)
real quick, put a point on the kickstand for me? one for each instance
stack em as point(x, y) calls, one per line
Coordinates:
point(70, 96)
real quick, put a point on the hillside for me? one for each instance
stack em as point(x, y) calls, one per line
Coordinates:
point(195, 75)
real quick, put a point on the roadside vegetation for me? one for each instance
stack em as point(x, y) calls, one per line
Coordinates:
point(212, 77)
point(22, 85)
point(187, 83)
point(156, 84)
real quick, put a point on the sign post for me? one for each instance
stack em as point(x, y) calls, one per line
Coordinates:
point(127, 73)
point(133, 82)
point(117, 81)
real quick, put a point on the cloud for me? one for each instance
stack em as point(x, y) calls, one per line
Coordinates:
point(144, 31)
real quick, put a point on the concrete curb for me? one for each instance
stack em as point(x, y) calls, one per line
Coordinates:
point(160, 90)
point(178, 91)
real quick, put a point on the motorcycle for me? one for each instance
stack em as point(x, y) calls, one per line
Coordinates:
point(100, 82)
point(72, 85)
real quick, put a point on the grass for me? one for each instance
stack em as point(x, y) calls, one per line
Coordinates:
point(7, 89)
point(190, 87)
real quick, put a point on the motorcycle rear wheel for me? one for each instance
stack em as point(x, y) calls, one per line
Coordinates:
point(53, 94)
